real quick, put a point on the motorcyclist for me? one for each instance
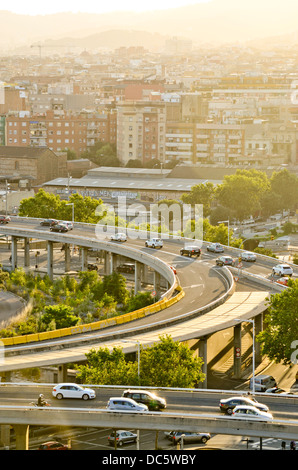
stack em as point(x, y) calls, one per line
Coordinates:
point(41, 401)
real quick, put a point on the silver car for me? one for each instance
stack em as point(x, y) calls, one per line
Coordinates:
point(122, 437)
point(68, 224)
point(215, 248)
point(125, 404)
point(248, 256)
point(119, 237)
point(251, 413)
point(176, 437)
point(282, 270)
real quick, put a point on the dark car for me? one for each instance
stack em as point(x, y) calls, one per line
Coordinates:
point(122, 437)
point(225, 261)
point(53, 445)
point(147, 398)
point(126, 268)
point(226, 405)
point(58, 228)
point(49, 222)
point(4, 219)
point(176, 437)
point(190, 251)
point(92, 267)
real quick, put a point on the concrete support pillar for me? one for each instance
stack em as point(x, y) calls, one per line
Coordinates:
point(67, 257)
point(62, 373)
point(5, 435)
point(145, 274)
point(84, 258)
point(114, 264)
point(237, 351)
point(50, 259)
point(258, 328)
point(203, 355)
point(137, 277)
point(14, 253)
point(22, 436)
point(108, 263)
point(26, 252)
point(156, 282)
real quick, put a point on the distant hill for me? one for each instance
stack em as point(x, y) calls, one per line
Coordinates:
point(215, 22)
point(112, 39)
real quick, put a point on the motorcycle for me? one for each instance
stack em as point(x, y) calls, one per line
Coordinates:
point(36, 405)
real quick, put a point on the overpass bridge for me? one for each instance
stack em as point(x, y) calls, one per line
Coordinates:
point(211, 302)
point(21, 417)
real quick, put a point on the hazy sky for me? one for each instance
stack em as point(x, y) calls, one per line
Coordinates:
point(37, 7)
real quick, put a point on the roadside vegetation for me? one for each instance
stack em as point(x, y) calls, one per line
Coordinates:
point(279, 337)
point(167, 363)
point(67, 301)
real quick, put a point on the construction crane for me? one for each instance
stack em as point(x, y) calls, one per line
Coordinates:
point(40, 46)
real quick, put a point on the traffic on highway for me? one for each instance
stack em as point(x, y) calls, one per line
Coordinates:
point(261, 407)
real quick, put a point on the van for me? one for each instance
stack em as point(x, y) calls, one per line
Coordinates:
point(262, 383)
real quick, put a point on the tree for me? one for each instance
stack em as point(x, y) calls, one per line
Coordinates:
point(42, 205)
point(170, 363)
point(140, 300)
point(200, 194)
point(134, 163)
point(60, 316)
point(46, 205)
point(281, 331)
point(242, 192)
point(167, 363)
point(114, 285)
point(285, 185)
point(106, 367)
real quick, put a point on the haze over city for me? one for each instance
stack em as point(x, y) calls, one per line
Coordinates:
point(203, 22)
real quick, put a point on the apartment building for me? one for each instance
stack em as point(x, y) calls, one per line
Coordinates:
point(179, 144)
point(61, 131)
point(13, 99)
point(141, 131)
point(204, 143)
point(218, 143)
point(273, 139)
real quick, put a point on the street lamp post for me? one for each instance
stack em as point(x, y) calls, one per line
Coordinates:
point(253, 350)
point(72, 204)
point(228, 222)
point(7, 188)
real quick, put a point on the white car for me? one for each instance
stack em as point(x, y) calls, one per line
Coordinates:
point(251, 413)
point(125, 404)
point(282, 270)
point(215, 248)
point(154, 243)
point(68, 224)
point(71, 390)
point(119, 237)
point(248, 256)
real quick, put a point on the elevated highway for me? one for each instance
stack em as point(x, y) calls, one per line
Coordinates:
point(210, 303)
point(21, 418)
